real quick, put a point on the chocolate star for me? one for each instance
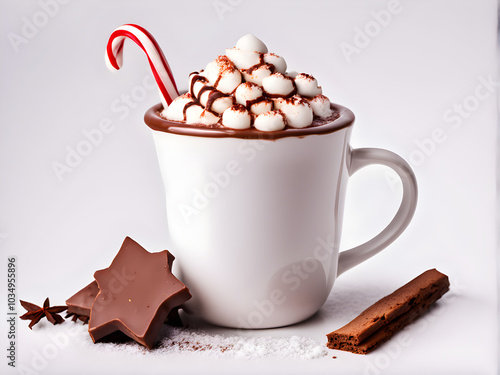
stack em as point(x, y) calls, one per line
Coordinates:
point(136, 293)
point(80, 303)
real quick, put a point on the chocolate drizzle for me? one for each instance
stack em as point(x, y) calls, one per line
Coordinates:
point(275, 96)
point(213, 93)
point(196, 78)
point(250, 103)
point(212, 97)
point(216, 83)
point(261, 62)
point(184, 110)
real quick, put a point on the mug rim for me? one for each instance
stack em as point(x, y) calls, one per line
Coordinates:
point(153, 119)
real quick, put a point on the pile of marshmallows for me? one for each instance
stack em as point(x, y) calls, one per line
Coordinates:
point(249, 86)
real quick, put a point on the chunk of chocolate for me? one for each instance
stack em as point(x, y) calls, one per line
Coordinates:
point(81, 302)
point(383, 319)
point(136, 294)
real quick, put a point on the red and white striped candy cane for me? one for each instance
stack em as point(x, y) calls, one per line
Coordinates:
point(159, 65)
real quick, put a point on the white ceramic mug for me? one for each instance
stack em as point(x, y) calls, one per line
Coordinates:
point(255, 224)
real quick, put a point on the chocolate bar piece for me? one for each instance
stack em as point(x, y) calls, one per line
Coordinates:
point(136, 294)
point(81, 302)
point(380, 321)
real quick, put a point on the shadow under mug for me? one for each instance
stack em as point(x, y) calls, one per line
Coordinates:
point(255, 218)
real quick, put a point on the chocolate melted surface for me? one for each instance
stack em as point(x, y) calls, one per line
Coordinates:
point(342, 117)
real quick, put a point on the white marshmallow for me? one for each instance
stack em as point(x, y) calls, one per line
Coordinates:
point(265, 105)
point(270, 121)
point(278, 84)
point(251, 43)
point(229, 82)
point(307, 85)
point(221, 104)
point(298, 112)
point(243, 59)
point(222, 74)
point(208, 118)
point(258, 74)
point(193, 114)
point(236, 117)
point(292, 74)
point(196, 114)
point(278, 62)
point(320, 105)
point(278, 102)
point(212, 71)
point(247, 91)
point(175, 111)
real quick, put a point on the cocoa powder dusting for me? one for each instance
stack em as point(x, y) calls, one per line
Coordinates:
point(306, 76)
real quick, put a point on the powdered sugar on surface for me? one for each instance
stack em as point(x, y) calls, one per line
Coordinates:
point(186, 340)
point(199, 342)
point(183, 339)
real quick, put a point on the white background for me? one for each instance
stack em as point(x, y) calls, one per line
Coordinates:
point(401, 84)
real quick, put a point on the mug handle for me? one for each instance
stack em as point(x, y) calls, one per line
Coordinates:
point(360, 158)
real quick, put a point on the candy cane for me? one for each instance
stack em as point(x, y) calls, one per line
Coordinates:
point(159, 65)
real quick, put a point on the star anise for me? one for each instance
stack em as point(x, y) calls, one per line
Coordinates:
point(74, 317)
point(35, 313)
